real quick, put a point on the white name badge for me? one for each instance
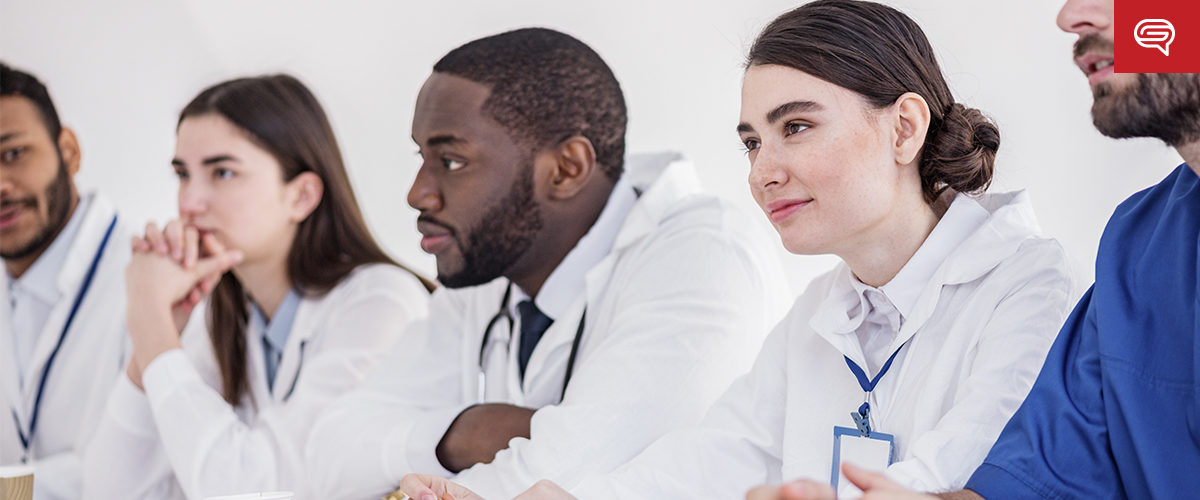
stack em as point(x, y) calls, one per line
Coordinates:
point(871, 453)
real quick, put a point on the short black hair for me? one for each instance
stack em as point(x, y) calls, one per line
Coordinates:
point(20, 83)
point(546, 87)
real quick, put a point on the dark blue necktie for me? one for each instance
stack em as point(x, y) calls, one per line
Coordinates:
point(533, 324)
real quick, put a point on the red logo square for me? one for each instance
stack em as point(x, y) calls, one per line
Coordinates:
point(1157, 36)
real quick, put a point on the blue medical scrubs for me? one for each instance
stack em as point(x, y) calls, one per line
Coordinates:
point(1115, 412)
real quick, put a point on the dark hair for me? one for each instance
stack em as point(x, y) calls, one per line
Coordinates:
point(19, 83)
point(880, 53)
point(281, 116)
point(546, 87)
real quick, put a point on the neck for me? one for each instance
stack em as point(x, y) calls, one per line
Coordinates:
point(884, 252)
point(561, 231)
point(1191, 154)
point(17, 267)
point(266, 282)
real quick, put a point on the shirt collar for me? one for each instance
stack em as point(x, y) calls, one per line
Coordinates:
point(964, 216)
point(277, 330)
point(41, 279)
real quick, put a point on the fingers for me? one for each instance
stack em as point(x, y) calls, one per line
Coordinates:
point(173, 234)
point(764, 493)
point(867, 480)
point(210, 245)
point(421, 487)
point(155, 238)
point(191, 246)
point(545, 490)
point(140, 244)
point(216, 265)
point(807, 490)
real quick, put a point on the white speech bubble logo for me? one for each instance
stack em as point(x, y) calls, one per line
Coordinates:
point(1156, 34)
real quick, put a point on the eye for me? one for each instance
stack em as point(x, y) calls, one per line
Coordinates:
point(750, 145)
point(181, 173)
point(222, 173)
point(11, 155)
point(452, 164)
point(793, 128)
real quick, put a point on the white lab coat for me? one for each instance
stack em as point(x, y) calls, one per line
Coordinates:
point(675, 312)
point(92, 355)
point(977, 336)
point(181, 439)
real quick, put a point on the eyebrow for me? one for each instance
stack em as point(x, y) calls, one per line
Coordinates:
point(6, 137)
point(783, 109)
point(439, 140)
point(207, 161)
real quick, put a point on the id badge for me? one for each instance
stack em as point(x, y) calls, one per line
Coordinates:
point(871, 453)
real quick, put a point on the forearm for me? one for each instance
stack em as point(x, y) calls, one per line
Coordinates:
point(960, 495)
point(480, 432)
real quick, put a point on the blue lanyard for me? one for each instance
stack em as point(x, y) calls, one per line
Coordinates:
point(26, 439)
point(862, 417)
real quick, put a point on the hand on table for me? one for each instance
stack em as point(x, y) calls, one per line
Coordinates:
point(875, 486)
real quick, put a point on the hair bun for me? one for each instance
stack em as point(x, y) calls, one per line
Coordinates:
point(961, 154)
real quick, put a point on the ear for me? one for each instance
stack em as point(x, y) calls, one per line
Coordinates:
point(68, 147)
point(911, 113)
point(575, 165)
point(305, 192)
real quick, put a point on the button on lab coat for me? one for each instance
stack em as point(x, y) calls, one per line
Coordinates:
point(92, 355)
point(675, 312)
point(180, 438)
point(977, 336)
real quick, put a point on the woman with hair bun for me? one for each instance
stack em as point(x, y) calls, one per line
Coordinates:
point(913, 352)
point(294, 302)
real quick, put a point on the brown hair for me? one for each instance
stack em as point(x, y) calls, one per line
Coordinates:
point(283, 117)
point(880, 53)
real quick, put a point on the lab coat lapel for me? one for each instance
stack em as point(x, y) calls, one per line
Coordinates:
point(293, 352)
point(8, 362)
point(70, 278)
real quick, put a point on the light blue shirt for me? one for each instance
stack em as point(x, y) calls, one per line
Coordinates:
point(275, 332)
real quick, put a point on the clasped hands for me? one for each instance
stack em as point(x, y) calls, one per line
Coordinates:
point(875, 486)
point(169, 272)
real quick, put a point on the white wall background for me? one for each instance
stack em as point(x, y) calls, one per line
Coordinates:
point(120, 71)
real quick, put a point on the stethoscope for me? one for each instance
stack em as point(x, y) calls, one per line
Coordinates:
point(505, 314)
point(27, 439)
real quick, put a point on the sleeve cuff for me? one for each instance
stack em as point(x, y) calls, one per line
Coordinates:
point(129, 408)
point(414, 450)
point(166, 374)
point(991, 481)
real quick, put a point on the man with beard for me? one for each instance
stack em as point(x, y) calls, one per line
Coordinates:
point(62, 335)
point(593, 303)
point(1115, 412)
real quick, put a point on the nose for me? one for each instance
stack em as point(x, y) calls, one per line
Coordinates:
point(193, 199)
point(1085, 16)
point(766, 171)
point(424, 194)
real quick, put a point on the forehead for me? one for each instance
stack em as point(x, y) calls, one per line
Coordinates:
point(451, 105)
point(19, 116)
point(208, 134)
point(766, 87)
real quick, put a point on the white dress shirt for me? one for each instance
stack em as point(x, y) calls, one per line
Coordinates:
point(974, 337)
point(35, 293)
point(92, 354)
point(180, 439)
point(676, 309)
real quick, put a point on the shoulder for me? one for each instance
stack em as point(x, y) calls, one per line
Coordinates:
point(378, 279)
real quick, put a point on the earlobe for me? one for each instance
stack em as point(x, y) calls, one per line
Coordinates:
point(68, 147)
point(308, 192)
point(575, 166)
point(912, 126)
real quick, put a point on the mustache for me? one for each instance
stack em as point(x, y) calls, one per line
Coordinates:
point(1092, 42)
point(10, 202)
point(430, 220)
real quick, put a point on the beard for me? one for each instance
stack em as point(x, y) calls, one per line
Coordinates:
point(1160, 105)
point(58, 201)
point(502, 236)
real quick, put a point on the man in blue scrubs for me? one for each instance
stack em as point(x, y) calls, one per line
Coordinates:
point(1115, 412)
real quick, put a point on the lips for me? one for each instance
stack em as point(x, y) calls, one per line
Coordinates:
point(1096, 66)
point(435, 236)
point(779, 210)
point(10, 213)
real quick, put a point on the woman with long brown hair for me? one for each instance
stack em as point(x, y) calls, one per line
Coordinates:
point(293, 301)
